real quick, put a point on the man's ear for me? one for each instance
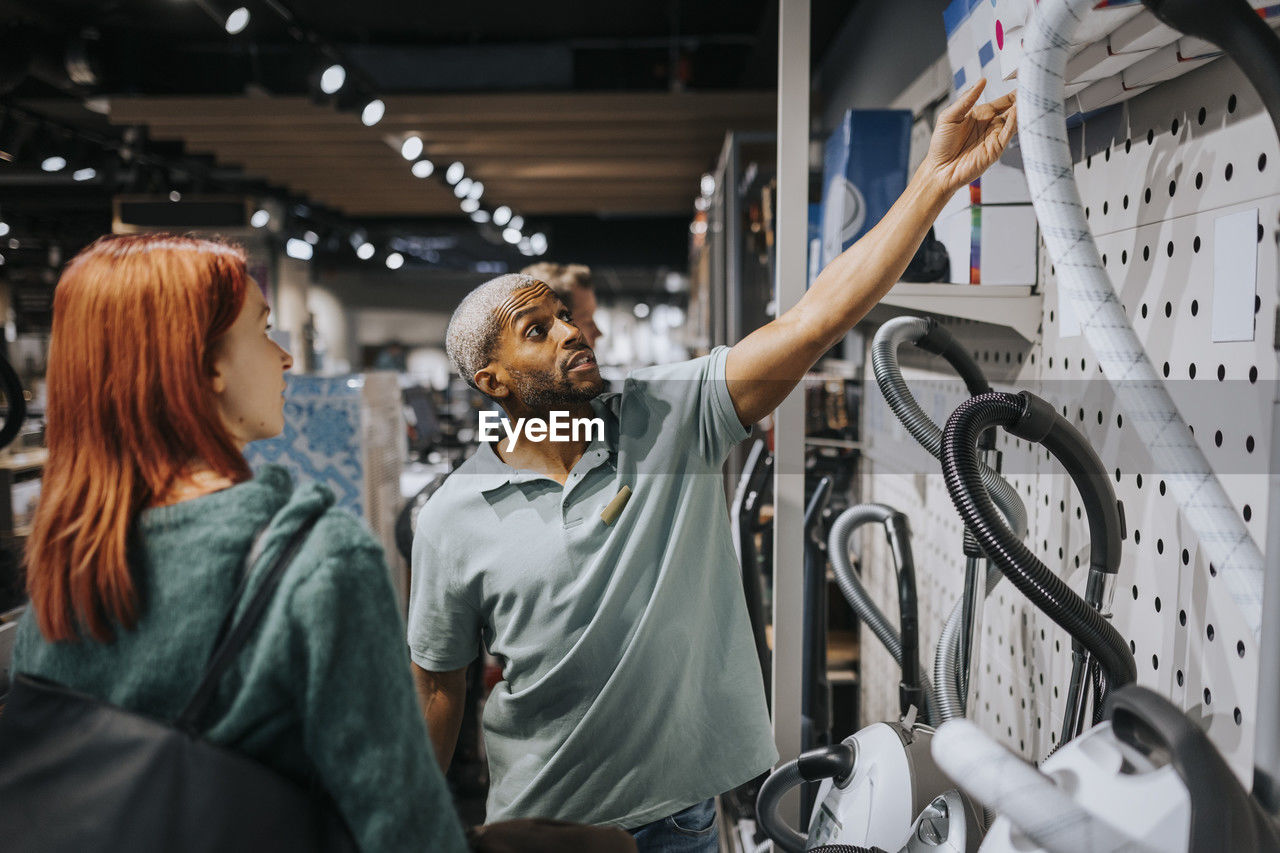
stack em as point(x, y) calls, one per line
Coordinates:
point(490, 383)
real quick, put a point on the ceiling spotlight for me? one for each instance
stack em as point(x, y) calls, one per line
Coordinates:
point(333, 79)
point(423, 169)
point(517, 222)
point(701, 203)
point(539, 243)
point(260, 218)
point(87, 174)
point(373, 112)
point(365, 251)
point(395, 260)
point(502, 215)
point(311, 237)
point(237, 21)
point(175, 196)
point(411, 148)
point(54, 164)
point(463, 187)
point(298, 249)
point(455, 173)
point(4, 228)
point(707, 184)
point(641, 310)
point(511, 235)
point(480, 216)
point(525, 247)
point(470, 205)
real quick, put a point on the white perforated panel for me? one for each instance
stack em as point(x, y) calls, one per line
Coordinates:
point(1156, 175)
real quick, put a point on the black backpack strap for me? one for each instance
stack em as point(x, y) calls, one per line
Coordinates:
point(232, 637)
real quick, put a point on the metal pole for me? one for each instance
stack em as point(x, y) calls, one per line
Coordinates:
point(792, 237)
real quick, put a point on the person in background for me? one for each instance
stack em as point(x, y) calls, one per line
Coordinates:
point(160, 372)
point(600, 570)
point(572, 283)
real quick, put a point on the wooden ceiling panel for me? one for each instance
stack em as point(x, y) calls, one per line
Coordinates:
point(537, 153)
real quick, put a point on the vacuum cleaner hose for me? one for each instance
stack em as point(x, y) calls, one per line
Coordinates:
point(930, 336)
point(904, 645)
point(828, 762)
point(1046, 591)
point(948, 704)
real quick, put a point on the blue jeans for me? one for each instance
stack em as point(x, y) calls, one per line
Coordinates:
point(690, 831)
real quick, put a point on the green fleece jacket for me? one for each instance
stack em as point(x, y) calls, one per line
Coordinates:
point(322, 692)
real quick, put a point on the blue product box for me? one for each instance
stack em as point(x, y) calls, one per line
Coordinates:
point(864, 171)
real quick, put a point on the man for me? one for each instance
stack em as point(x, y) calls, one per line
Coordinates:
point(601, 570)
point(572, 283)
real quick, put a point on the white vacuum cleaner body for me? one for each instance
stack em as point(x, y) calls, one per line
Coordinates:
point(894, 780)
point(1117, 784)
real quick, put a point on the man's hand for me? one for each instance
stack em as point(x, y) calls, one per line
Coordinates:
point(763, 367)
point(969, 138)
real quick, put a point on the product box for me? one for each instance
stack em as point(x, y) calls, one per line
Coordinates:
point(864, 171)
point(962, 50)
point(990, 244)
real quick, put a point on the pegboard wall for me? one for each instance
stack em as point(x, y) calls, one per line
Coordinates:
point(1157, 174)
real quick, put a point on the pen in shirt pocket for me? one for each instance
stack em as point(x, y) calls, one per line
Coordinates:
point(614, 508)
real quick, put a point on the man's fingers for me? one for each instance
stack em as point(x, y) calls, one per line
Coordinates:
point(964, 103)
point(1003, 102)
point(1010, 125)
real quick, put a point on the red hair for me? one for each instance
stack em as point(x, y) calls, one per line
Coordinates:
point(130, 406)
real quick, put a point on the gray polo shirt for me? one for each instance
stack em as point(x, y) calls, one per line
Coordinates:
point(631, 685)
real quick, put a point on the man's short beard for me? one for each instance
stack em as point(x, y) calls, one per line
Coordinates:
point(545, 391)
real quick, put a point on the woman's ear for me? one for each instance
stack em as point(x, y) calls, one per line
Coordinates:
point(489, 383)
point(217, 382)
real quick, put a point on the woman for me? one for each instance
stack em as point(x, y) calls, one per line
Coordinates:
point(160, 372)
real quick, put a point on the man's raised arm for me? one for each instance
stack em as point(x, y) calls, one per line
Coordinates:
point(763, 368)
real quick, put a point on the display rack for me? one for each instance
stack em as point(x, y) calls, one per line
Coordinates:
point(1018, 307)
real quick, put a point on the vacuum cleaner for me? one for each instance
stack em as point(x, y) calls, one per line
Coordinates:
point(956, 655)
point(878, 781)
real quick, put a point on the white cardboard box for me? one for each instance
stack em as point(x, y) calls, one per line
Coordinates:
point(990, 244)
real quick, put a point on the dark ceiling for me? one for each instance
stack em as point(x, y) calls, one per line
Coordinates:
point(64, 62)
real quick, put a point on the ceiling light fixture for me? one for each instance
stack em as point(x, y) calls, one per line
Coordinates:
point(455, 173)
point(86, 174)
point(411, 148)
point(366, 251)
point(539, 243)
point(54, 163)
point(395, 260)
point(373, 112)
point(261, 217)
point(462, 187)
point(333, 79)
point(502, 215)
point(423, 169)
point(511, 235)
point(237, 21)
point(480, 217)
point(298, 249)
point(477, 190)
point(470, 205)
point(516, 222)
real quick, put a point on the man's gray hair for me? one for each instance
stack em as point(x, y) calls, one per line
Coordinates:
point(474, 327)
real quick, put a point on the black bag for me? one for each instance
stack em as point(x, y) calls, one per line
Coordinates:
point(79, 774)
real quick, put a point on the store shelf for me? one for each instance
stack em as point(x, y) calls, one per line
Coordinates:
point(1014, 306)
